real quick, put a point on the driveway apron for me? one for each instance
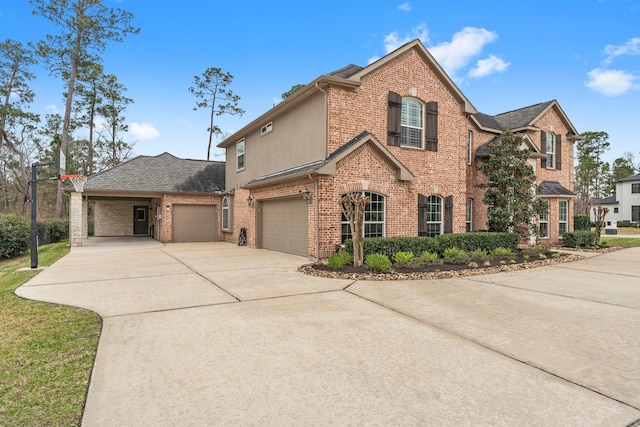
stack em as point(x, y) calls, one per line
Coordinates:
point(216, 334)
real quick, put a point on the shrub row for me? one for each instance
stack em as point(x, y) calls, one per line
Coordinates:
point(622, 224)
point(14, 235)
point(53, 231)
point(581, 222)
point(579, 239)
point(390, 246)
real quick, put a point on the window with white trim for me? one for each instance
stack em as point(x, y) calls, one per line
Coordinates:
point(635, 213)
point(543, 222)
point(635, 188)
point(550, 149)
point(225, 214)
point(433, 216)
point(469, 215)
point(374, 218)
point(240, 155)
point(412, 123)
point(563, 209)
point(469, 147)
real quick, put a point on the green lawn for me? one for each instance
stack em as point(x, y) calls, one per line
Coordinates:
point(628, 242)
point(46, 351)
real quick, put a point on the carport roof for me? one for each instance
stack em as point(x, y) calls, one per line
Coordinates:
point(163, 173)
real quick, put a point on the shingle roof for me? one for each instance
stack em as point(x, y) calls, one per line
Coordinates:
point(162, 173)
point(553, 188)
point(515, 119)
point(346, 72)
point(630, 178)
point(609, 200)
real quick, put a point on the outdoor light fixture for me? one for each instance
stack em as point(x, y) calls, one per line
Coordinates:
point(250, 201)
point(168, 207)
point(306, 195)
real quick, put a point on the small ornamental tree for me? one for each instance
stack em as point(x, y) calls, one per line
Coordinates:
point(599, 212)
point(510, 187)
point(353, 206)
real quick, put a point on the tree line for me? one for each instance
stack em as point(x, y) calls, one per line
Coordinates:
point(94, 100)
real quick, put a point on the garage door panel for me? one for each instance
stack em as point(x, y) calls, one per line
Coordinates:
point(194, 223)
point(284, 226)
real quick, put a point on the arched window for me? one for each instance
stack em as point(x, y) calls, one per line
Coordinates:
point(430, 216)
point(412, 123)
point(225, 213)
point(374, 217)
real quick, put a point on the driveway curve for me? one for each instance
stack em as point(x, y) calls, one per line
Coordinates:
point(216, 334)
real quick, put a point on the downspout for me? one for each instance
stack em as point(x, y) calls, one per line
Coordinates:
point(317, 217)
point(326, 130)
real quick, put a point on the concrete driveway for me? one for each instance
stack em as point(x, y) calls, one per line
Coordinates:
point(216, 334)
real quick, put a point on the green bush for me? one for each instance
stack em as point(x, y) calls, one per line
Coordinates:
point(480, 255)
point(502, 252)
point(536, 250)
point(581, 222)
point(403, 258)
point(579, 239)
point(429, 257)
point(53, 231)
point(392, 245)
point(478, 240)
point(340, 259)
point(455, 255)
point(378, 262)
point(14, 235)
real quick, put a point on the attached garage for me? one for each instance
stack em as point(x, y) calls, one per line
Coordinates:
point(194, 223)
point(284, 226)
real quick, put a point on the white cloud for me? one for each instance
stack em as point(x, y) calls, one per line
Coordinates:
point(464, 45)
point(52, 108)
point(611, 82)
point(632, 47)
point(405, 7)
point(143, 131)
point(491, 65)
point(393, 41)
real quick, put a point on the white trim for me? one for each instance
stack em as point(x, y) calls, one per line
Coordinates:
point(266, 128)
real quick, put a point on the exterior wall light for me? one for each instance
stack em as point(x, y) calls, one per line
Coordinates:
point(250, 201)
point(306, 195)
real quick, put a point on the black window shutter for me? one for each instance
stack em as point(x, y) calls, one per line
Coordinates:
point(432, 126)
point(394, 111)
point(558, 151)
point(543, 148)
point(448, 214)
point(422, 221)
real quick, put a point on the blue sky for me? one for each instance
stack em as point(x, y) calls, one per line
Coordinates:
point(503, 54)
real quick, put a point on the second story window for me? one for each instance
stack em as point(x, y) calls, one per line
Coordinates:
point(635, 188)
point(550, 150)
point(412, 123)
point(469, 147)
point(240, 154)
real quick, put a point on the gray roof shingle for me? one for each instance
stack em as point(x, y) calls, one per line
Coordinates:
point(163, 173)
point(515, 119)
point(553, 188)
point(635, 177)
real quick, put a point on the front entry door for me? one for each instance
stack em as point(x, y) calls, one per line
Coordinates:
point(140, 220)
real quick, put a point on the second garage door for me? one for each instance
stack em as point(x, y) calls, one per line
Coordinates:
point(194, 223)
point(284, 226)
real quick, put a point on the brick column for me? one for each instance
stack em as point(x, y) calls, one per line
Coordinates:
point(77, 221)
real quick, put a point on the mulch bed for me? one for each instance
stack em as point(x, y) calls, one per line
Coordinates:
point(444, 271)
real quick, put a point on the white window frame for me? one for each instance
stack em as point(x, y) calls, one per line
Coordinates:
point(469, 215)
point(373, 218)
point(469, 147)
point(266, 128)
point(551, 150)
point(407, 123)
point(434, 215)
point(544, 219)
point(241, 155)
point(563, 217)
point(225, 214)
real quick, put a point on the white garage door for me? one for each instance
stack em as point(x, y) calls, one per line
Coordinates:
point(194, 223)
point(284, 226)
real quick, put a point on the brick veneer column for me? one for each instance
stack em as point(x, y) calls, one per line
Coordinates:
point(76, 219)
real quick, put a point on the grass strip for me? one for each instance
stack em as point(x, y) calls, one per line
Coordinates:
point(47, 351)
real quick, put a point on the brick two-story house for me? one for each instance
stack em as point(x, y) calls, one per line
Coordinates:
point(399, 130)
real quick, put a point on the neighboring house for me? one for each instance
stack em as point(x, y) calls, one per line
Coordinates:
point(624, 205)
point(400, 131)
point(165, 197)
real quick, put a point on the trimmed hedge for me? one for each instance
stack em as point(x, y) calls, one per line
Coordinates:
point(14, 235)
point(390, 246)
point(578, 239)
point(52, 231)
point(581, 222)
